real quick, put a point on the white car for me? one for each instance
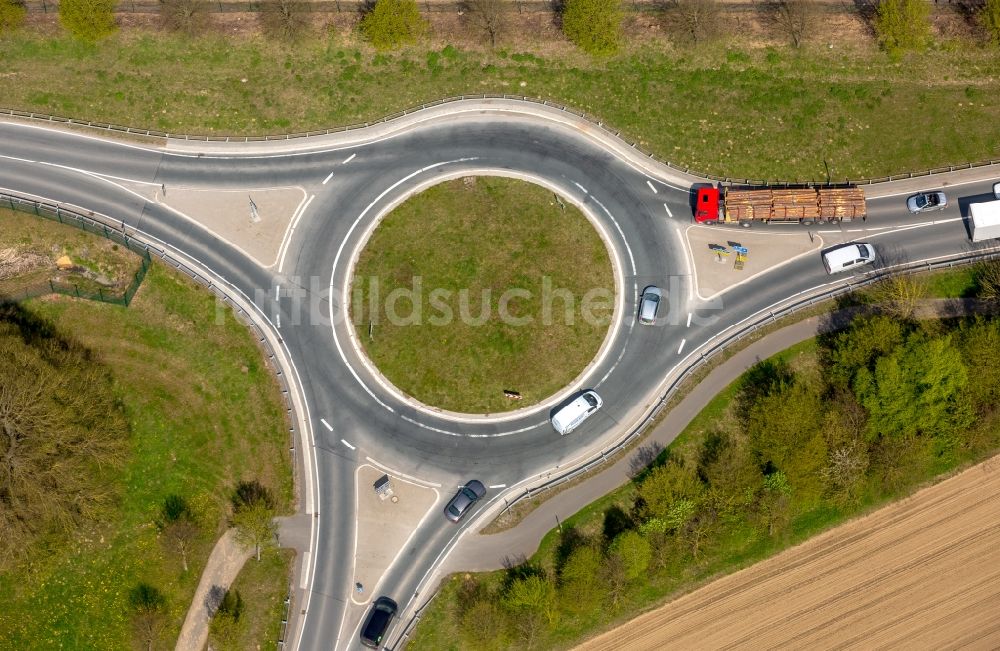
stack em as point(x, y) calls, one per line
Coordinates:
point(996, 190)
point(568, 418)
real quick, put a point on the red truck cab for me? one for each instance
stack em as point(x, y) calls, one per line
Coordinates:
point(707, 206)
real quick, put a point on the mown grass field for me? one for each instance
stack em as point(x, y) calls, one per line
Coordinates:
point(204, 413)
point(757, 113)
point(485, 239)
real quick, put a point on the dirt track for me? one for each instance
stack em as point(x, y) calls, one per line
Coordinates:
point(923, 573)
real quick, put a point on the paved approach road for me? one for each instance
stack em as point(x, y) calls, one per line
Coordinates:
point(352, 417)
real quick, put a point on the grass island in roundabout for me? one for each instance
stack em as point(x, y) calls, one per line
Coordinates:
point(482, 294)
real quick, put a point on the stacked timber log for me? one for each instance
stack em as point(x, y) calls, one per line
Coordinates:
point(841, 204)
point(748, 205)
point(794, 205)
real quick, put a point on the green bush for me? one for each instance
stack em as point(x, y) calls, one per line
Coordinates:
point(88, 20)
point(989, 16)
point(903, 24)
point(12, 14)
point(392, 23)
point(593, 25)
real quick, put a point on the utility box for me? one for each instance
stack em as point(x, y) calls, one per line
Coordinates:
point(985, 220)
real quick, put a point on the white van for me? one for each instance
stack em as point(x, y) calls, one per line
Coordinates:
point(848, 256)
point(569, 417)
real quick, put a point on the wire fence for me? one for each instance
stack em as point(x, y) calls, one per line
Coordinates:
point(624, 140)
point(119, 236)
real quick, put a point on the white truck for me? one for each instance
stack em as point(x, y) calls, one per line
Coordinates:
point(986, 217)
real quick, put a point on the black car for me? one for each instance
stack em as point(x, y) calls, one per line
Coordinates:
point(377, 622)
point(467, 496)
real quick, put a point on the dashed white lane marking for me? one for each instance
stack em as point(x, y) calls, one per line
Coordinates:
point(326, 424)
point(689, 320)
point(681, 347)
point(328, 177)
point(498, 485)
point(667, 208)
point(348, 444)
point(651, 186)
point(582, 189)
point(349, 159)
point(278, 319)
point(277, 293)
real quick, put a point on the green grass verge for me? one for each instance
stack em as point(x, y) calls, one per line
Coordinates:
point(757, 113)
point(483, 239)
point(204, 412)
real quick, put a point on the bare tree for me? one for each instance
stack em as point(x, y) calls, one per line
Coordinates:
point(845, 468)
point(695, 20)
point(185, 16)
point(284, 19)
point(179, 536)
point(489, 16)
point(795, 19)
point(149, 617)
point(900, 295)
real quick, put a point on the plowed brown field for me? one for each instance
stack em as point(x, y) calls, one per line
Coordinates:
point(922, 573)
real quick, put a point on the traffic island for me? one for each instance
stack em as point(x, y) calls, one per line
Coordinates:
point(724, 257)
point(390, 509)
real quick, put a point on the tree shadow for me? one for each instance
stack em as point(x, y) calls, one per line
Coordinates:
point(518, 567)
point(645, 458)
point(569, 541)
point(616, 521)
point(40, 333)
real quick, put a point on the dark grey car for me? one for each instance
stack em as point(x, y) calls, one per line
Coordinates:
point(649, 305)
point(377, 622)
point(467, 495)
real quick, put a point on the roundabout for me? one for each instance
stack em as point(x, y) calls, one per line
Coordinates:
point(482, 295)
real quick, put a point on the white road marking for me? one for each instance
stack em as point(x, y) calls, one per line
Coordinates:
point(277, 293)
point(667, 208)
point(581, 187)
point(278, 319)
point(689, 320)
point(348, 444)
point(692, 274)
point(614, 221)
point(498, 485)
point(396, 473)
point(681, 347)
point(651, 186)
point(328, 177)
point(326, 424)
point(349, 159)
point(291, 229)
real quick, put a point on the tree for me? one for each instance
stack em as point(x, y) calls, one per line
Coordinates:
point(392, 23)
point(148, 613)
point(695, 20)
point(594, 26)
point(634, 551)
point(795, 19)
point(185, 16)
point(226, 625)
point(178, 526)
point(576, 581)
point(987, 272)
point(12, 13)
point(902, 24)
point(860, 345)
point(489, 17)
point(979, 342)
point(775, 501)
point(916, 390)
point(530, 598)
point(989, 18)
point(285, 20)
point(88, 20)
point(900, 294)
point(253, 515)
point(63, 434)
point(668, 484)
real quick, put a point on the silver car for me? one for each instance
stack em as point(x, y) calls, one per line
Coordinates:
point(926, 202)
point(467, 495)
point(649, 305)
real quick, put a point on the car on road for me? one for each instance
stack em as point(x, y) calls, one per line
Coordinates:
point(649, 304)
point(996, 190)
point(377, 622)
point(466, 496)
point(569, 417)
point(848, 256)
point(926, 202)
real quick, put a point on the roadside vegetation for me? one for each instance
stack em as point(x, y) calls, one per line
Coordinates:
point(827, 430)
point(124, 431)
point(791, 95)
point(453, 348)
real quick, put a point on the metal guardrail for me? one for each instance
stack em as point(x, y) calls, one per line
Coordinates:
point(284, 622)
point(633, 144)
point(99, 223)
point(724, 342)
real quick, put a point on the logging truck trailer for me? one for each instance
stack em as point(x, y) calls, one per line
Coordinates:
point(807, 205)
